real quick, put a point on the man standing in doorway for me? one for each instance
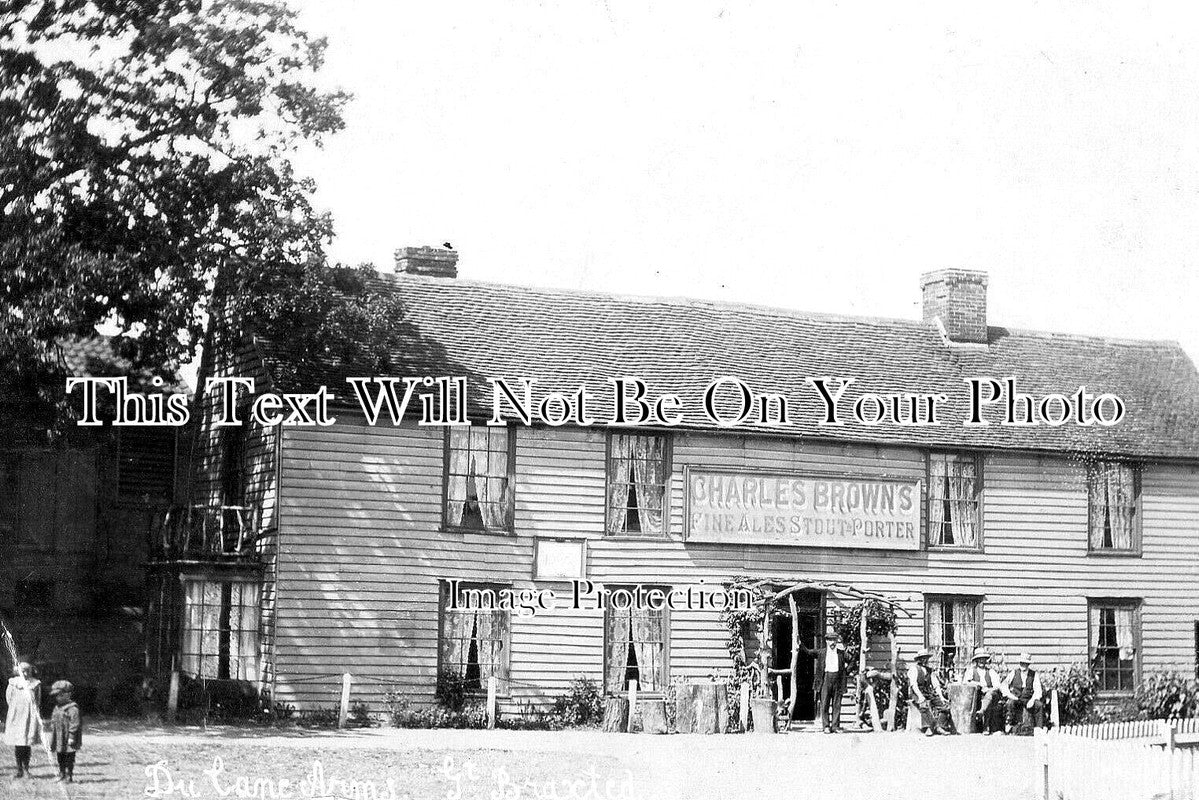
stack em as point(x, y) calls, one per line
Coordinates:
point(830, 677)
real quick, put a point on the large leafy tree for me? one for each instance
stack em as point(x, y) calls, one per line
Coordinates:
point(145, 180)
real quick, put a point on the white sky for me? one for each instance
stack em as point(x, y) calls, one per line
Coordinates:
point(790, 154)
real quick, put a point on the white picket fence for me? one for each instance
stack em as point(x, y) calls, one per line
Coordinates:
point(1150, 762)
point(1140, 729)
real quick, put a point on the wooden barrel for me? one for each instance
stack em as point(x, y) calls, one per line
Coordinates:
point(963, 699)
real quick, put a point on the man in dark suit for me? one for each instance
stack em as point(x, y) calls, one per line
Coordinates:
point(829, 681)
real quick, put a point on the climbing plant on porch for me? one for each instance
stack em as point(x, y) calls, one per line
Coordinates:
point(749, 633)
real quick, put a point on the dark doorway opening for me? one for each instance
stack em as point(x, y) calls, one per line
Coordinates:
point(810, 618)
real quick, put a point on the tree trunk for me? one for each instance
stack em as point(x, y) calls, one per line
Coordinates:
point(893, 708)
point(794, 695)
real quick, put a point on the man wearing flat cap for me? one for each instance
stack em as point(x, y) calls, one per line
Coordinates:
point(1024, 692)
point(990, 707)
point(927, 696)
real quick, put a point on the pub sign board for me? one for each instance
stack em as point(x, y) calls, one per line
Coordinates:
point(730, 507)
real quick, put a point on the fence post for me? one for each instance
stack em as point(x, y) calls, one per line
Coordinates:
point(1167, 732)
point(1041, 743)
point(632, 703)
point(343, 714)
point(491, 692)
point(1055, 710)
point(743, 708)
point(173, 697)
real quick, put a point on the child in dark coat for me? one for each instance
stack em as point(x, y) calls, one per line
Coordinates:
point(66, 729)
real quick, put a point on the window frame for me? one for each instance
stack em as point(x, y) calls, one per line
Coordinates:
point(667, 472)
point(978, 600)
point(509, 528)
point(1109, 552)
point(666, 636)
point(980, 499)
point(220, 579)
point(1134, 603)
point(504, 687)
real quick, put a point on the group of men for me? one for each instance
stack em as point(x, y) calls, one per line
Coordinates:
point(1001, 701)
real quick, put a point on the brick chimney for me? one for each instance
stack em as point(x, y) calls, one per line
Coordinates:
point(957, 297)
point(439, 262)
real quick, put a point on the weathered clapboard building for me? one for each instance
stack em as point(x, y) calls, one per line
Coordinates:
point(1075, 543)
point(76, 514)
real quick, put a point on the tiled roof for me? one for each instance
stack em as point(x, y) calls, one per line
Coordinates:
point(91, 357)
point(565, 339)
point(96, 357)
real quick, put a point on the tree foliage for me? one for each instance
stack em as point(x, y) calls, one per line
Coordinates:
point(144, 172)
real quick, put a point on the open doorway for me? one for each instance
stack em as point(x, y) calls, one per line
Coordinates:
point(810, 619)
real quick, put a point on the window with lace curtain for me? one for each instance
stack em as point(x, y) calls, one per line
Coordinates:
point(475, 640)
point(954, 492)
point(220, 628)
point(952, 629)
point(636, 647)
point(1115, 637)
point(638, 474)
point(479, 466)
point(1113, 493)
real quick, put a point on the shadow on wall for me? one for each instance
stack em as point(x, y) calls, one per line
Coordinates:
point(361, 551)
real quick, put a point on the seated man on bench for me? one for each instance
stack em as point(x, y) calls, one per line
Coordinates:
point(990, 709)
point(1024, 692)
point(928, 697)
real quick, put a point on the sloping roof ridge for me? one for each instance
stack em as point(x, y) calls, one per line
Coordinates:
point(679, 301)
point(682, 301)
point(1094, 337)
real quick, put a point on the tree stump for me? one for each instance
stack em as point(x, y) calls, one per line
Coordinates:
point(653, 716)
point(616, 714)
point(762, 714)
point(702, 708)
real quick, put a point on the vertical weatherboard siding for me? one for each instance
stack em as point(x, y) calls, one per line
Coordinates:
point(362, 552)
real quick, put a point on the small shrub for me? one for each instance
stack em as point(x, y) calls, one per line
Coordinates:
point(360, 715)
point(451, 691)
point(531, 718)
point(401, 714)
point(1168, 695)
point(278, 714)
point(583, 703)
point(319, 717)
point(1077, 687)
point(1123, 709)
point(472, 716)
